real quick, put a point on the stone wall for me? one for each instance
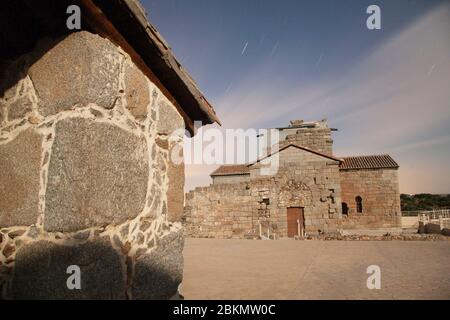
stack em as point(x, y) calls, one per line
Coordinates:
point(379, 191)
point(435, 226)
point(317, 139)
point(221, 211)
point(303, 180)
point(237, 178)
point(85, 176)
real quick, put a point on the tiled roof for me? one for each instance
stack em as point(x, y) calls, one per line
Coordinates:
point(368, 162)
point(231, 170)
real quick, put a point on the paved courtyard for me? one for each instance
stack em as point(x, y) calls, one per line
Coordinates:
point(288, 269)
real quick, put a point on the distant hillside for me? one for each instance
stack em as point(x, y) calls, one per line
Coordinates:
point(424, 201)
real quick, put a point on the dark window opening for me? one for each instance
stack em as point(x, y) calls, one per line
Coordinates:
point(359, 207)
point(344, 209)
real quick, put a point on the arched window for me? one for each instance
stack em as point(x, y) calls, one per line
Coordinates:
point(359, 207)
point(344, 209)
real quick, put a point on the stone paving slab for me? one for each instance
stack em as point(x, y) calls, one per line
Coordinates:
point(289, 269)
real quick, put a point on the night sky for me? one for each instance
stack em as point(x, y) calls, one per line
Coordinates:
point(263, 63)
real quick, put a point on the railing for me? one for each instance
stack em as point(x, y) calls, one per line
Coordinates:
point(430, 214)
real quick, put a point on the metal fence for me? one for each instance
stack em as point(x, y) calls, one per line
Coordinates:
point(431, 214)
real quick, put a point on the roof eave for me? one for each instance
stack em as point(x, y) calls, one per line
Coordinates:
point(229, 174)
point(128, 18)
point(372, 168)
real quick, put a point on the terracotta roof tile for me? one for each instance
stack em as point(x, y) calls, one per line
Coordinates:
point(368, 162)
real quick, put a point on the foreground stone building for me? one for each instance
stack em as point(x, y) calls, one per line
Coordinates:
point(313, 192)
point(87, 187)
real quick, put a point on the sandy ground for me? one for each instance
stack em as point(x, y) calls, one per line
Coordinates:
point(289, 269)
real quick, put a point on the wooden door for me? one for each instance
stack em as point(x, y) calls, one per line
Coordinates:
point(294, 215)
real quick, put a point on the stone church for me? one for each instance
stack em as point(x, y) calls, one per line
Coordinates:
point(313, 192)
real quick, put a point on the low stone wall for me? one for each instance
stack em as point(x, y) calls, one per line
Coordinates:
point(372, 232)
point(432, 228)
point(410, 222)
point(384, 237)
point(446, 223)
point(221, 211)
point(86, 178)
point(435, 226)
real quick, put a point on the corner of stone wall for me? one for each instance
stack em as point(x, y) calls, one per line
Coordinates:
point(84, 143)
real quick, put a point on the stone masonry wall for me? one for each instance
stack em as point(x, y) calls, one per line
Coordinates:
point(231, 179)
point(379, 191)
point(235, 210)
point(85, 176)
point(221, 211)
point(317, 139)
point(305, 180)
